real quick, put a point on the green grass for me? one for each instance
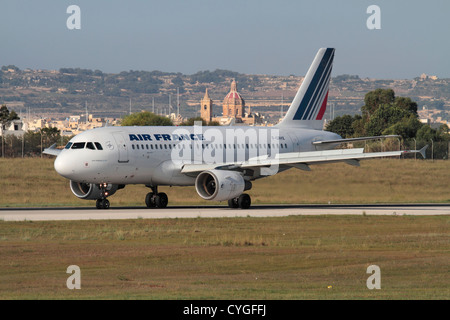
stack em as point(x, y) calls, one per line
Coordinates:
point(34, 182)
point(234, 258)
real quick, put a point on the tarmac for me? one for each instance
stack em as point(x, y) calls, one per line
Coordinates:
point(178, 212)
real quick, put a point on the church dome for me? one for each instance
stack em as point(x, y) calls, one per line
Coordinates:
point(233, 97)
point(233, 104)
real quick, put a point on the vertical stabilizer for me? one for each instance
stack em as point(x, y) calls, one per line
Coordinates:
point(310, 102)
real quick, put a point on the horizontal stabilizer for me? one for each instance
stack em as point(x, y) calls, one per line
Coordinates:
point(354, 139)
point(421, 151)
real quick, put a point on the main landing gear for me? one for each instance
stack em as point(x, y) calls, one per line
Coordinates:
point(156, 200)
point(243, 201)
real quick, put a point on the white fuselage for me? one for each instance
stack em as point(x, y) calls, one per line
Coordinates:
point(156, 155)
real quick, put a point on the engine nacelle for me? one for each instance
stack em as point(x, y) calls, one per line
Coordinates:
point(220, 185)
point(90, 191)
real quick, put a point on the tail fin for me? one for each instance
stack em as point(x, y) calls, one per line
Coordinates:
point(310, 102)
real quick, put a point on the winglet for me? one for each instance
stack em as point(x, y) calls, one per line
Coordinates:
point(52, 150)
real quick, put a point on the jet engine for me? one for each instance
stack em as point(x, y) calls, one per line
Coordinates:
point(90, 191)
point(220, 184)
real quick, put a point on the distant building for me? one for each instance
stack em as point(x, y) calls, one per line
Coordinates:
point(16, 127)
point(424, 76)
point(206, 112)
point(233, 109)
point(233, 104)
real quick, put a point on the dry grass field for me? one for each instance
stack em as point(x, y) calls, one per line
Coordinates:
point(301, 257)
point(297, 257)
point(34, 182)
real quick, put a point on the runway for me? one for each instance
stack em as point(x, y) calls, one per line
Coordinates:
point(84, 213)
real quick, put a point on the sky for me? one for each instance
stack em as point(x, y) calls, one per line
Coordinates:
point(277, 37)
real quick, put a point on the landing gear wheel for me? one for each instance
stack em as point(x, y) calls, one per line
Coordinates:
point(105, 204)
point(233, 203)
point(102, 204)
point(161, 200)
point(244, 201)
point(150, 200)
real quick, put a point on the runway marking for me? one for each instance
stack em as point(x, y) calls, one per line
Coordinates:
point(83, 213)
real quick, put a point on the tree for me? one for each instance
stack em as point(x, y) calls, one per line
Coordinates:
point(359, 126)
point(51, 134)
point(6, 118)
point(191, 122)
point(406, 104)
point(384, 117)
point(374, 99)
point(407, 127)
point(145, 118)
point(343, 126)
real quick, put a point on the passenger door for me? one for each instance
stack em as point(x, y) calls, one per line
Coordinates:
point(122, 147)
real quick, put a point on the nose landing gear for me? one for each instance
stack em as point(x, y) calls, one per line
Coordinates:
point(103, 203)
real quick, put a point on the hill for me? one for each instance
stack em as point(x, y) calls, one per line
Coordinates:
point(68, 90)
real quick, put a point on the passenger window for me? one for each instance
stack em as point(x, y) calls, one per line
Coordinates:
point(132, 146)
point(78, 145)
point(90, 145)
point(98, 145)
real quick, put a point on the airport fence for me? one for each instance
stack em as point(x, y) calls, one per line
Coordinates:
point(31, 144)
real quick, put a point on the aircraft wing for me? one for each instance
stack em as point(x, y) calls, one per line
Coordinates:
point(52, 150)
point(300, 160)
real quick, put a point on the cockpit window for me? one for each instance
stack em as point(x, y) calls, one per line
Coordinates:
point(68, 145)
point(78, 145)
point(90, 145)
point(98, 145)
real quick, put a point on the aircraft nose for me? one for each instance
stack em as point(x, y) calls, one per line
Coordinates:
point(63, 167)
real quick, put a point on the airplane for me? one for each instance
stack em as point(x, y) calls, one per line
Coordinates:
point(221, 162)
